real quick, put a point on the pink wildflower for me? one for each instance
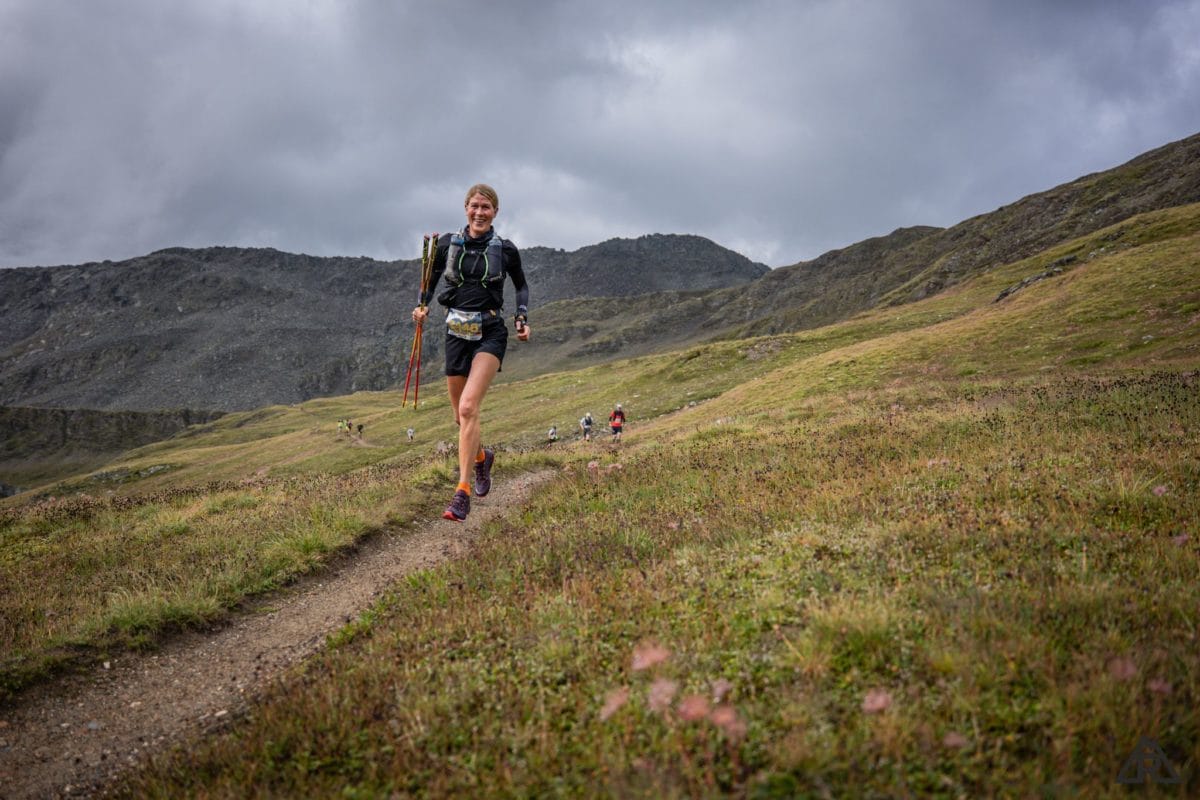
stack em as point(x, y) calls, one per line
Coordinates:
point(954, 740)
point(1122, 668)
point(613, 702)
point(720, 688)
point(649, 654)
point(693, 707)
point(660, 695)
point(876, 700)
point(726, 718)
point(1159, 686)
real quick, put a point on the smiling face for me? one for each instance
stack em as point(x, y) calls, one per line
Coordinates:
point(480, 213)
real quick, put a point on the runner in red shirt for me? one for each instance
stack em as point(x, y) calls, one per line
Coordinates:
point(616, 421)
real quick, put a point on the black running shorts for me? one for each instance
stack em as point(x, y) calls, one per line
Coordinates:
point(460, 352)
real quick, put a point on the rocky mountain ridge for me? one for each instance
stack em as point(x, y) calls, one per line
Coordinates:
point(236, 328)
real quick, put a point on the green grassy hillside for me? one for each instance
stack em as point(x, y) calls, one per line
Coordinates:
point(946, 548)
point(906, 265)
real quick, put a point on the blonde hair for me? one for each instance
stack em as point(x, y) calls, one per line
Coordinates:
point(486, 191)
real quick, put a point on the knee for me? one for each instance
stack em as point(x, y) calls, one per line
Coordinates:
point(468, 409)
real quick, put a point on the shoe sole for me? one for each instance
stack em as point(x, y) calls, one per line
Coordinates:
point(450, 516)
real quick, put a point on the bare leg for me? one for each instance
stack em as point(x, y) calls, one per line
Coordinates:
point(455, 385)
point(467, 404)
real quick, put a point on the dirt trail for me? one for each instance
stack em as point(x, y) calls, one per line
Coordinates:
point(73, 736)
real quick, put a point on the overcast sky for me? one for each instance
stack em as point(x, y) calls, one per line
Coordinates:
point(778, 129)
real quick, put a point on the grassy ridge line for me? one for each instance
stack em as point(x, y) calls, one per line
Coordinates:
point(1136, 308)
point(916, 581)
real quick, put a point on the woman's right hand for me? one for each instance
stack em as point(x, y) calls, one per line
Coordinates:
point(419, 314)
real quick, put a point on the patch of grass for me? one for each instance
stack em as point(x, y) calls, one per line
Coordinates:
point(171, 563)
point(940, 609)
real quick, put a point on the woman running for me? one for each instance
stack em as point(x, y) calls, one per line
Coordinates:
point(474, 263)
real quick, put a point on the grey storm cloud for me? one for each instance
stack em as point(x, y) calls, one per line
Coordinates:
point(779, 129)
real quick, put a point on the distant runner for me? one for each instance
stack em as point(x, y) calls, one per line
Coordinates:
point(585, 425)
point(616, 421)
point(552, 434)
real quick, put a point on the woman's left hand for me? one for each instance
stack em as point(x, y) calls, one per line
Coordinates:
point(523, 332)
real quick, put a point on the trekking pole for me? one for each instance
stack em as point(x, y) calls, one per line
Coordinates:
point(412, 351)
point(411, 360)
point(428, 251)
point(420, 346)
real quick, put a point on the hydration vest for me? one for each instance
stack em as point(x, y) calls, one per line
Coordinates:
point(493, 260)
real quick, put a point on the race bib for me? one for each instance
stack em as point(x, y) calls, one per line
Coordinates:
point(465, 324)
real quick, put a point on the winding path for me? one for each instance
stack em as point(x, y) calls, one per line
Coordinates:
point(72, 736)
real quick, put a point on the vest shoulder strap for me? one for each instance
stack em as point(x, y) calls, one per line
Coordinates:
point(493, 260)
